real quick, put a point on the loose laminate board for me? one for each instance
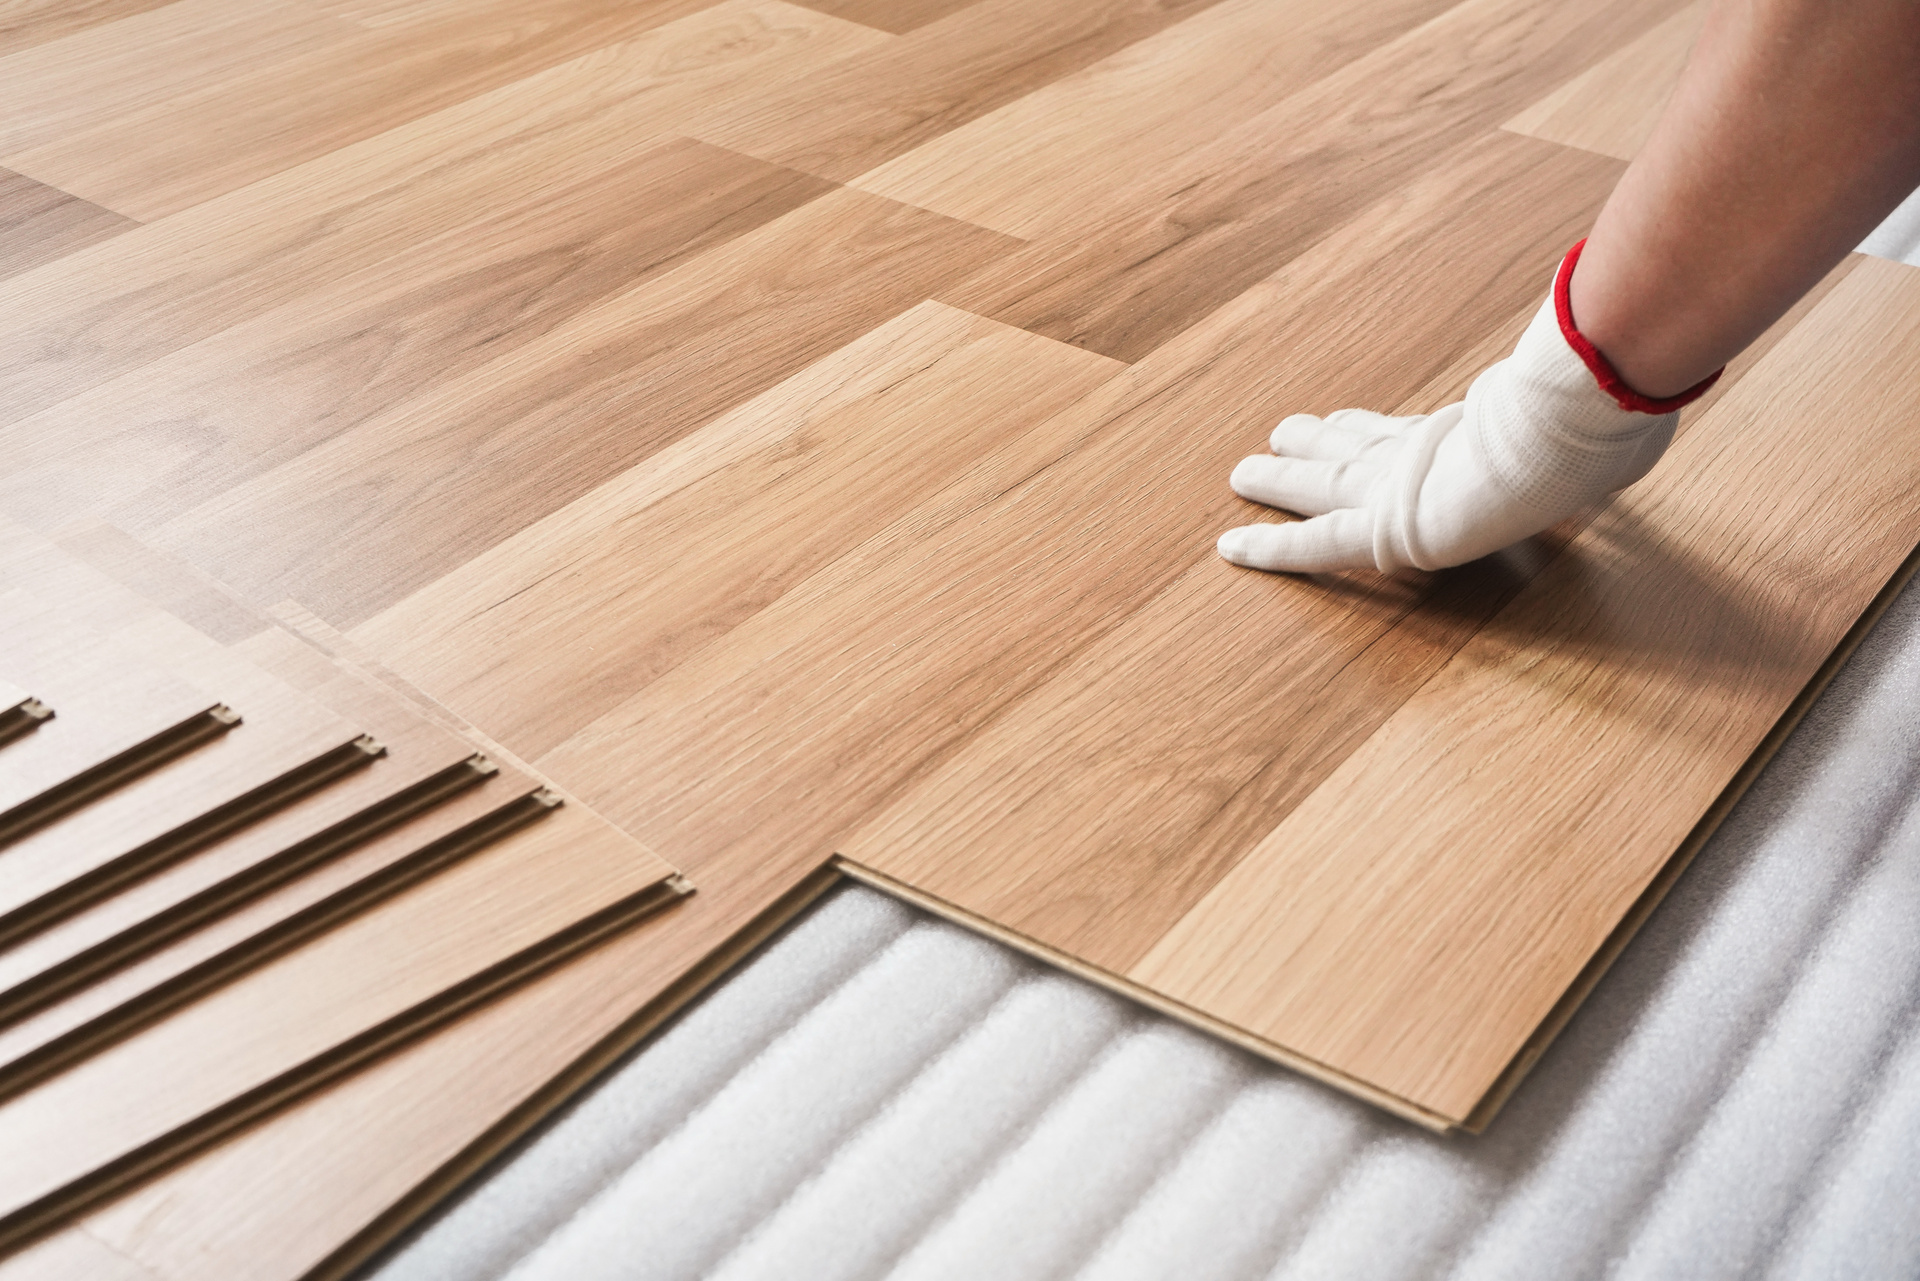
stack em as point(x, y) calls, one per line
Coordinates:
point(225, 935)
point(335, 1001)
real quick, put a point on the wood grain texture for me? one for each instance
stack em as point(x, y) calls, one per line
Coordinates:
point(72, 1255)
point(228, 130)
point(896, 16)
point(111, 70)
point(1060, 154)
point(420, 767)
point(534, 637)
point(222, 935)
point(445, 475)
point(1416, 944)
point(26, 23)
point(1160, 255)
point(868, 108)
point(458, 936)
point(74, 323)
point(39, 224)
point(1611, 107)
point(114, 708)
point(265, 391)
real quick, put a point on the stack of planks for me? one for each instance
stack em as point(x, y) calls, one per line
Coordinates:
point(799, 431)
point(231, 873)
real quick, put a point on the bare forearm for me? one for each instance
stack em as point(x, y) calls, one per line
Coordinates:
point(1793, 132)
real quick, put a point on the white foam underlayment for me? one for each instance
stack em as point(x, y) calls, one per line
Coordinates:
point(881, 1094)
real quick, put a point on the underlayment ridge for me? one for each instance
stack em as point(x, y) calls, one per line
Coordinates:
point(1740, 1096)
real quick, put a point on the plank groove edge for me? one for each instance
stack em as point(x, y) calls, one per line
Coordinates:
point(1650, 898)
point(1405, 1109)
point(184, 839)
point(351, 1254)
point(112, 953)
point(63, 1051)
point(97, 780)
point(57, 1208)
point(23, 718)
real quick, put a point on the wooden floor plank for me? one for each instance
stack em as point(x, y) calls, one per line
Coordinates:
point(1611, 107)
point(72, 324)
point(100, 73)
point(377, 512)
point(896, 16)
point(421, 765)
point(1061, 154)
point(796, 726)
point(225, 934)
point(537, 636)
point(26, 23)
point(232, 406)
point(462, 933)
point(39, 224)
point(182, 148)
point(867, 109)
point(1200, 231)
point(115, 711)
point(1415, 919)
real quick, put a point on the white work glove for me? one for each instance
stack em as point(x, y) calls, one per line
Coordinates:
point(1542, 434)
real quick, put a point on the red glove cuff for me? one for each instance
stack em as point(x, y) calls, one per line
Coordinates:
point(1603, 371)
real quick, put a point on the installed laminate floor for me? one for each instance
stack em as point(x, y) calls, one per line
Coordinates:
point(800, 432)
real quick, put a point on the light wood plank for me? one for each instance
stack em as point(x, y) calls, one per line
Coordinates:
point(39, 224)
point(1416, 918)
point(72, 324)
point(1163, 254)
point(26, 23)
point(227, 934)
point(797, 725)
point(896, 16)
point(421, 766)
point(117, 714)
point(1060, 154)
point(1611, 107)
point(72, 1255)
point(176, 150)
point(538, 635)
point(867, 109)
point(161, 438)
point(101, 73)
point(443, 945)
point(373, 514)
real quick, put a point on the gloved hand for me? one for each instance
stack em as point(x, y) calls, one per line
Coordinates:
point(1541, 435)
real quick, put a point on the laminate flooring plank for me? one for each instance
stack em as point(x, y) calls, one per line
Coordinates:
point(1059, 155)
point(179, 431)
point(39, 224)
point(115, 711)
point(72, 1255)
point(1416, 918)
point(176, 151)
point(97, 74)
point(864, 110)
point(221, 933)
point(190, 147)
point(165, 581)
point(26, 23)
point(357, 1156)
point(72, 324)
point(1146, 776)
point(800, 724)
point(896, 16)
point(1611, 107)
point(1194, 234)
point(375, 513)
point(536, 637)
point(421, 766)
point(335, 1000)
